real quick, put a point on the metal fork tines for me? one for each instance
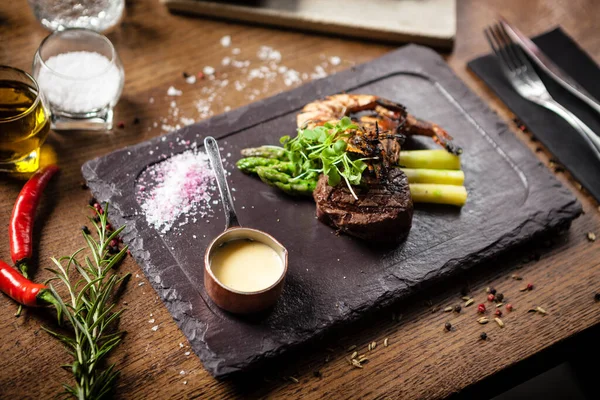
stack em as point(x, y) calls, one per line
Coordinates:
point(527, 83)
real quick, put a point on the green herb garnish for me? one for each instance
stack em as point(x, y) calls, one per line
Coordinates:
point(322, 150)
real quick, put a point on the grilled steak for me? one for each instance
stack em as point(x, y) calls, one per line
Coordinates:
point(382, 213)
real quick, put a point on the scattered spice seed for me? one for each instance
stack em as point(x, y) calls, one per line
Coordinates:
point(498, 313)
point(448, 326)
point(509, 307)
point(113, 249)
point(591, 236)
point(541, 310)
point(369, 347)
point(373, 345)
point(499, 297)
point(466, 298)
point(499, 322)
point(136, 120)
point(349, 360)
point(491, 297)
point(295, 380)
point(528, 287)
point(357, 364)
point(483, 320)
point(457, 308)
point(85, 229)
point(597, 297)
point(488, 289)
point(448, 309)
point(352, 347)
point(483, 336)
point(185, 75)
point(481, 308)
point(517, 277)
point(493, 291)
point(499, 305)
point(354, 355)
point(385, 342)
point(469, 302)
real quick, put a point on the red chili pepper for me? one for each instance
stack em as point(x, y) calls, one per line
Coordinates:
point(20, 230)
point(21, 289)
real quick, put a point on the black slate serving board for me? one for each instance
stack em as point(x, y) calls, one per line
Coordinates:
point(335, 280)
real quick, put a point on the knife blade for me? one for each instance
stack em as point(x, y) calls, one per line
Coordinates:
point(553, 70)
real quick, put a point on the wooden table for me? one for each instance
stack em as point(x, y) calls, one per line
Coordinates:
point(421, 361)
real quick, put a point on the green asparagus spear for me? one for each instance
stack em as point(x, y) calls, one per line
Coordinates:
point(265, 152)
point(248, 165)
point(283, 181)
point(440, 194)
point(443, 176)
point(430, 159)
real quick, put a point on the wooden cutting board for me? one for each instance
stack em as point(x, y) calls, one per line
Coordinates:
point(334, 281)
point(430, 22)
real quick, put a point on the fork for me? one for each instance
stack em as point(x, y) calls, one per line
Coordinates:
point(523, 78)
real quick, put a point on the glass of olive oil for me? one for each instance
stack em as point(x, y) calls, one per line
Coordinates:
point(24, 121)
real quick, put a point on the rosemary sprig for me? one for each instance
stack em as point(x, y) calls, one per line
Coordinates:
point(90, 312)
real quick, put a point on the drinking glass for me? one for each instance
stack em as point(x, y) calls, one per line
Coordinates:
point(81, 76)
point(98, 15)
point(24, 121)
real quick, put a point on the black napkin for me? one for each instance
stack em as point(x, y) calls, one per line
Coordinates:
point(555, 133)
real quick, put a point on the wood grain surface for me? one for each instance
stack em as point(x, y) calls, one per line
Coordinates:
point(421, 361)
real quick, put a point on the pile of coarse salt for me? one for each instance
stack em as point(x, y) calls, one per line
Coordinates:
point(80, 81)
point(176, 190)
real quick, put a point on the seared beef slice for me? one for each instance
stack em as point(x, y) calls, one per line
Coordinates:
point(382, 213)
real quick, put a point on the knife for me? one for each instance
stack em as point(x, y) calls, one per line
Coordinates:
point(548, 65)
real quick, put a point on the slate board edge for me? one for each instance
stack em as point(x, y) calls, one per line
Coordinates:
point(570, 209)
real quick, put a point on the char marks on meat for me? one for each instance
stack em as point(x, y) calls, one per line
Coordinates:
point(383, 212)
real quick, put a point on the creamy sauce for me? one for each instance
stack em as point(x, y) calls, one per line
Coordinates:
point(246, 266)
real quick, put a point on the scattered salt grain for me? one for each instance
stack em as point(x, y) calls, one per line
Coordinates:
point(180, 344)
point(236, 51)
point(187, 353)
point(191, 79)
point(80, 81)
point(335, 60)
point(151, 321)
point(186, 121)
point(226, 61)
point(173, 92)
point(208, 70)
point(268, 53)
point(226, 41)
point(181, 372)
point(185, 382)
point(155, 328)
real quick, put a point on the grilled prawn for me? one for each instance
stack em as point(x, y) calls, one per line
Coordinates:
point(385, 117)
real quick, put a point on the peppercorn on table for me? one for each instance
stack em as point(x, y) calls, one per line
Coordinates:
point(179, 69)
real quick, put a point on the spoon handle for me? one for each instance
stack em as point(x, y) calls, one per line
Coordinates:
point(212, 149)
